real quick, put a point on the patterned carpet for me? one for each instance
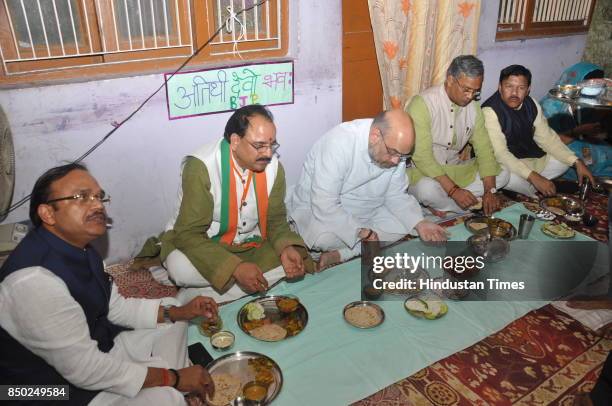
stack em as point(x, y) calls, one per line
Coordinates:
point(542, 358)
point(136, 281)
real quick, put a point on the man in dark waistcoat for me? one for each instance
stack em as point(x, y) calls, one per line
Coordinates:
point(63, 322)
point(522, 139)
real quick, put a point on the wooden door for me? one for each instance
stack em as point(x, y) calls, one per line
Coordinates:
point(361, 86)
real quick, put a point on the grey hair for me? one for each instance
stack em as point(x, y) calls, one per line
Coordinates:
point(468, 65)
point(381, 122)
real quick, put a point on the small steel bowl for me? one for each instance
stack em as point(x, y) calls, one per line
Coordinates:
point(220, 339)
point(253, 384)
point(592, 87)
point(207, 327)
point(492, 249)
point(573, 207)
point(242, 401)
point(568, 90)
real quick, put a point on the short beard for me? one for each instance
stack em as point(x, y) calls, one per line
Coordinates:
point(381, 165)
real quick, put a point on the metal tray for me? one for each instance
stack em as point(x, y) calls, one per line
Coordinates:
point(364, 303)
point(275, 316)
point(237, 365)
point(510, 235)
point(570, 205)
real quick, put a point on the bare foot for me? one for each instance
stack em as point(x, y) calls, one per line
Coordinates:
point(437, 213)
point(327, 259)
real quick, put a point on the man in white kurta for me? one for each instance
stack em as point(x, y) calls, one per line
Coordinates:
point(63, 322)
point(353, 188)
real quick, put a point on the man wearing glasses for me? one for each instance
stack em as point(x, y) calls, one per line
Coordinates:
point(63, 321)
point(446, 119)
point(353, 188)
point(231, 223)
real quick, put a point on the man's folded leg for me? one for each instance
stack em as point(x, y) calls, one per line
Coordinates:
point(429, 193)
point(193, 284)
point(329, 241)
point(163, 347)
point(553, 168)
point(519, 185)
point(147, 397)
point(501, 181)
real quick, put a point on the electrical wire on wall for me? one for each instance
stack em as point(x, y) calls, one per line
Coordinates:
point(118, 125)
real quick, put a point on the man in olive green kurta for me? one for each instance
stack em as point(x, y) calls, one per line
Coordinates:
point(222, 232)
point(446, 118)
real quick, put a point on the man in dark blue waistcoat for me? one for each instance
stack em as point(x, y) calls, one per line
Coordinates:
point(521, 138)
point(63, 322)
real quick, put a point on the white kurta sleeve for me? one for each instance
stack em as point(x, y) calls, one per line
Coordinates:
point(331, 167)
point(404, 205)
point(37, 309)
point(135, 313)
point(549, 140)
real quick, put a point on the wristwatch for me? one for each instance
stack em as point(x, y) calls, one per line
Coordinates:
point(166, 313)
point(492, 190)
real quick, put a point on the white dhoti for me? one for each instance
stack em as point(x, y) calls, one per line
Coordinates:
point(327, 240)
point(552, 170)
point(183, 274)
point(163, 347)
point(429, 192)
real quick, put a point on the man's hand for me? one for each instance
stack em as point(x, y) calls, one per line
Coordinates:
point(543, 185)
point(429, 231)
point(199, 306)
point(292, 262)
point(367, 234)
point(196, 379)
point(582, 171)
point(250, 278)
point(464, 198)
point(490, 203)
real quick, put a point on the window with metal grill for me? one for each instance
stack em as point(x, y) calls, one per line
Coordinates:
point(542, 18)
point(47, 40)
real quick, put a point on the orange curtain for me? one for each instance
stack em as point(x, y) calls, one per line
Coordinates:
point(416, 41)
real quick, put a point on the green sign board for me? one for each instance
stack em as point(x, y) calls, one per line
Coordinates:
point(225, 89)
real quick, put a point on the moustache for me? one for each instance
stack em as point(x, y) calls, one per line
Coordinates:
point(266, 160)
point(98, 215)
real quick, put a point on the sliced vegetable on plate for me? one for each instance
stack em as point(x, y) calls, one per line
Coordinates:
point(558, 230)
point(429, 308)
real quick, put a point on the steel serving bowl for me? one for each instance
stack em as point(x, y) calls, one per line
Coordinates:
point(568, 90)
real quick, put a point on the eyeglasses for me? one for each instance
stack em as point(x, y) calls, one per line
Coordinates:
point(260, 147)
point(394, 154)
point(84, 198)
point(467, 90)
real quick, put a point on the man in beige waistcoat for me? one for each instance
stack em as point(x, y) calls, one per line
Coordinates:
point(446, 119)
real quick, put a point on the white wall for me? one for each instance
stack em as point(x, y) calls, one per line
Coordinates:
point(139, 164)
point(546, 58)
